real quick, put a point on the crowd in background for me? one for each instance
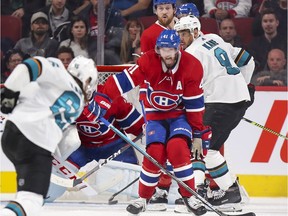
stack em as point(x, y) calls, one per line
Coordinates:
point(68, 28)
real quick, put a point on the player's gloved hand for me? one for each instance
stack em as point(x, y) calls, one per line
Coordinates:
point(9, 100)
point(201, 143)
point(251, 89)
point(97, 106)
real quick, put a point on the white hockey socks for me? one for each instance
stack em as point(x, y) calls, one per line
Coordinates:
point(26, 203)
point(218, 169)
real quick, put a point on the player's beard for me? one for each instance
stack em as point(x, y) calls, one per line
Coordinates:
point(165, 21)
point(170, 61)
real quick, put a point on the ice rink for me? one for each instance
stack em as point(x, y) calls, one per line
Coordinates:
point(260, 206)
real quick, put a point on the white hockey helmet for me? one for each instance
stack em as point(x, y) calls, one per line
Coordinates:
point(85, 70)
point(188, 23)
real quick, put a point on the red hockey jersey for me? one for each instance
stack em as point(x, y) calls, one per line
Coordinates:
point(168, 93)
point(122, 114)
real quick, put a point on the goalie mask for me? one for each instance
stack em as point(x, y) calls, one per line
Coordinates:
point(85, 70)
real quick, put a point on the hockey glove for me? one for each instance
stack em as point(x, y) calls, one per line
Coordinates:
point(251, 89)
point(97, 106)
point(9, 100)
point(201, 143)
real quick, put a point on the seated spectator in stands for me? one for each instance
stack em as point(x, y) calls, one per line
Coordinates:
point(221, 9)
point(280, 8)
point(39, 43)
point(227, 32)
point(133, 8)
point(78, 40)
point(65, 54)
point(59, 18)
point(12, 58)
point(114, 24)
point(261, 45)
point(130, 38)
point(30, 7)
point(12, 8)
point(276, 72)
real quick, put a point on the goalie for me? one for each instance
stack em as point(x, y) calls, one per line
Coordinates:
point(98, 142)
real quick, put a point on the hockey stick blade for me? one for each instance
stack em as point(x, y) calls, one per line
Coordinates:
point(244, 214)
point(111, 201)
point(156, 163)
point(73, 182)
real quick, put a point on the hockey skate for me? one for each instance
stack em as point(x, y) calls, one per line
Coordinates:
point(138, 205)
point(159, 200)
point(227, 201)
point(180, 206)
point(194, 205)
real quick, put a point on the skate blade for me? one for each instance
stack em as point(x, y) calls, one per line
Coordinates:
point(182, 209)
point(157, 207)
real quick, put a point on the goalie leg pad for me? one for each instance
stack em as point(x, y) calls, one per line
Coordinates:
point(114, 176)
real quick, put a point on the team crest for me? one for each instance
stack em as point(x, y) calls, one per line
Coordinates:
point(89, 129)
point(164, 101)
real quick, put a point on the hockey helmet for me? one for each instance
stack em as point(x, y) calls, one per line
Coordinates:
point(168, 38)
point(188, 9)
point(188, 22)
point(158, 2)
point(84, 69)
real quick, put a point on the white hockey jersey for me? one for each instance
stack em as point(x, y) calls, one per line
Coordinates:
point(48, 104)
point(227, 69)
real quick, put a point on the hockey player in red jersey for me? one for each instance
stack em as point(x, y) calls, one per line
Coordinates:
point(165, 11)
point(98, 141)
point(174, 109)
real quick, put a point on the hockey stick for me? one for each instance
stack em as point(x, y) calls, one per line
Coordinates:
point(264, 128)
point(73, 182)
point(111, 201)
point(156, 163)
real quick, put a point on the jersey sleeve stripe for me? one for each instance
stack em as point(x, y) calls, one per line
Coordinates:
point(34, 67)
point(123, 82)
point(242, 58)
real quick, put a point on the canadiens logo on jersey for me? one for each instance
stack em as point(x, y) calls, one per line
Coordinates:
point(89, 129)
point(163, 101)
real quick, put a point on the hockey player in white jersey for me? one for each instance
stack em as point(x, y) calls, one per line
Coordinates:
point(227, 95)
point(42, 100)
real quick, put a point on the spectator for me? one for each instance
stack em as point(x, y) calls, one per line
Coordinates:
point(30, 7)
point(13, 8)
point(65, 54)
point(130, 38)
point(261, 45)
point(276, 73)
point(227, 32)
point(134, 8)
point(78, 40)
point(12, 58)
point(114, 23)
point(221, 9)
point(39, 43)
point(59, 18)
point(280, 8)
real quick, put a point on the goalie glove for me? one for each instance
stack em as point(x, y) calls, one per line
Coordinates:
point(9, 100)
point(201, 143)
point(97, 106)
